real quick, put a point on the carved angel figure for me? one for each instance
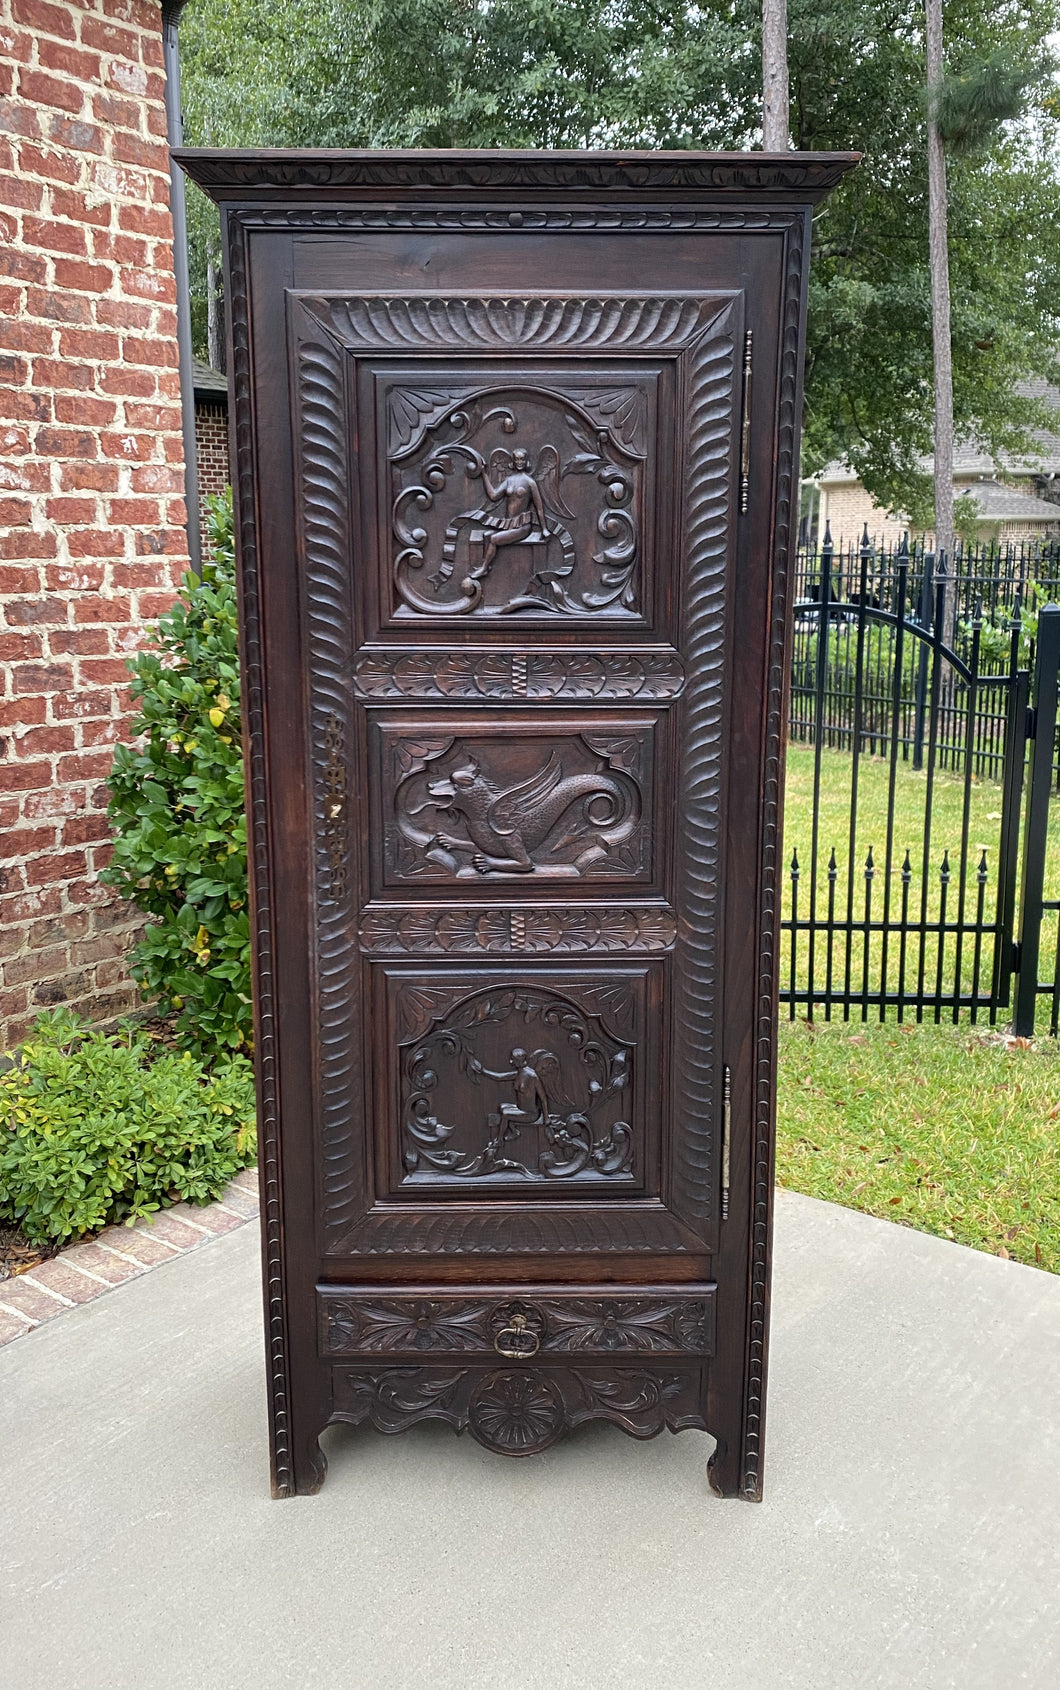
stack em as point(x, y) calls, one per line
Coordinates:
point(527, 496)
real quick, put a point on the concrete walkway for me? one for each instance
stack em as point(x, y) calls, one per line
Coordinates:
point(910, 1536)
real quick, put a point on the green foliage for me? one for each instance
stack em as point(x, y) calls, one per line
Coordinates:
point(97, 1128)
point(176, 810)
point(632, 73)
point(969, 108)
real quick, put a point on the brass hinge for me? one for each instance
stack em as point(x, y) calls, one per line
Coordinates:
point(726, 1136)
point(745, 435)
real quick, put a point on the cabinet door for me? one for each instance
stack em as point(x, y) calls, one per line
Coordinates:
point(515, 526)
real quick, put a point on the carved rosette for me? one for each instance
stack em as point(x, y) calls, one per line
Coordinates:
point(516, 1413)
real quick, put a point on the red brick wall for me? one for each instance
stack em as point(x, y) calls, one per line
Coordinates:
point(91, 471)
point(211, 443)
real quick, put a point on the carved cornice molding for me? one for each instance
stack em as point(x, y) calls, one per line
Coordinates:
point(800, 176)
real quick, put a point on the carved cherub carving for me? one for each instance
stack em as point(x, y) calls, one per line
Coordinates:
point(528, 496)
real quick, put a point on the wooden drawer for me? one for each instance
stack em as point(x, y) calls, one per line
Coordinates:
point(518, 1370)
point(535, 1322)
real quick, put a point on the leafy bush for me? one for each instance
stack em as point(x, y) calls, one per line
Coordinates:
point(97, 1128)
point(176, 810)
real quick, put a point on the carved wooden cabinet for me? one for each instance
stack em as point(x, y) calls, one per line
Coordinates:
point(515, 457)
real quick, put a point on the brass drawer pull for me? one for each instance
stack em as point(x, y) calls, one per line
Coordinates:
point(516, 1340)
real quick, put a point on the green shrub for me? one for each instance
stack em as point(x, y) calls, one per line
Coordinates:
point(176, 810)
point(96, 1128)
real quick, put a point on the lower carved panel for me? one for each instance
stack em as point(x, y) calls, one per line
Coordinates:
point(521, 1410)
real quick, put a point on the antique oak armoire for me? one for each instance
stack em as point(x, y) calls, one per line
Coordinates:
point(515, 460)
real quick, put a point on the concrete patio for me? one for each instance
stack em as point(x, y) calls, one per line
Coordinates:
point(909, 1537)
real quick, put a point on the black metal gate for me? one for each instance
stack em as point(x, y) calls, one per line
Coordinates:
point(917, 872)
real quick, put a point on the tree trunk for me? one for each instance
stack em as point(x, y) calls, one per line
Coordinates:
point(940, 319)
point(213, 326)
point(775, 123)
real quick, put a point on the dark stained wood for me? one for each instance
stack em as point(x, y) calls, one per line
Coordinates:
point(515, 449)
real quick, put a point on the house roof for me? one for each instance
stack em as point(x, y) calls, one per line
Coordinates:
point(209, 383)
point(1007, 504)
point(971, 458)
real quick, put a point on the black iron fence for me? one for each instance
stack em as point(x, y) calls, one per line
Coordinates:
point(921, 862)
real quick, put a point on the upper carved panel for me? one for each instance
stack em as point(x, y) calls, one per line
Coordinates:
point(567, 805)
point(515, 500)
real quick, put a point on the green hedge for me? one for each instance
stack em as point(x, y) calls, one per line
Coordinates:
point(104, 1127)
point(177, 813)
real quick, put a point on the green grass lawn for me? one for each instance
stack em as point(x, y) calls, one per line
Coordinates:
point(984, 821)
point(984, 816)
point(939, 1127)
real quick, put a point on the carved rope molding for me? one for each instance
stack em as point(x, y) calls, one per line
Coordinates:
point(765, 1047)
point(706, 529)
point(438, 675)
point(329, 619)
point(253, 695)
point(523, 932)
point(488, 323)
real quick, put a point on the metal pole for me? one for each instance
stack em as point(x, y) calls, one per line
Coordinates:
point(171, 10)
point(1036, 826)
point(927, 599)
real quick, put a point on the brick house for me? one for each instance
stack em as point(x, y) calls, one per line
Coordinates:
point(211, 432)
point(1018, 498)
point(92, 543)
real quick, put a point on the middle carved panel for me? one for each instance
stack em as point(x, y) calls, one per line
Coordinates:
point(472, 800)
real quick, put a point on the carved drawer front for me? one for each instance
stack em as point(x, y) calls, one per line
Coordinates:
point(528, 1323)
